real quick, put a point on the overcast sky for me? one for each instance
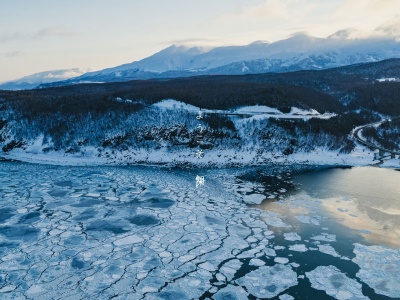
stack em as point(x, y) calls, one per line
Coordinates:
point(43, 35)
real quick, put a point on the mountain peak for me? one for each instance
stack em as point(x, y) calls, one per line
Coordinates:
point(297, 52)
point(343, 34)
point(259, 42)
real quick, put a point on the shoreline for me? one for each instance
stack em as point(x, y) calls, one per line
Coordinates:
point(212, 159)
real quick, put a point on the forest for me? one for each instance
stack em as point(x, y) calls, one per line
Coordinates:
point(121, 116)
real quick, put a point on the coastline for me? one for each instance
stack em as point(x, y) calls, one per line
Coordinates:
point(213, 158)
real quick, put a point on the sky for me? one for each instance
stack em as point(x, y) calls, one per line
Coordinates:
point(44, 35)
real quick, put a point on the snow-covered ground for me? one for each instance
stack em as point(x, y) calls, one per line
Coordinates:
point(252, 112)
point(391, 79)
point(164, 151)
point(360, 156)
point(173, 104)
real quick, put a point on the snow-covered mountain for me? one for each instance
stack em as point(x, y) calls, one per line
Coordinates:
point(32, 81)
point(299, 52)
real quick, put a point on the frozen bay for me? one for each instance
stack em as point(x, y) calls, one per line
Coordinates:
point(149, 233)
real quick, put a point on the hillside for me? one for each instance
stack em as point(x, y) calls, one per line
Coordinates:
point(278, 115)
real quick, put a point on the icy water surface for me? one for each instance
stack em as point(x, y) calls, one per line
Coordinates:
point(148, 233)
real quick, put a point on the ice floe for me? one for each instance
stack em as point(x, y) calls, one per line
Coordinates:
point(256, 262)
point(298, 248)
point(268, 282)
point(281, 260)
point(379, 268)
point(307, 220)
point(253, 198)
point(231, 292)
point(292, 236)
point(327, 249)
point(132, 239)
point(335, 283)
point(273, 219)
point(326, 237)
point(286, 297)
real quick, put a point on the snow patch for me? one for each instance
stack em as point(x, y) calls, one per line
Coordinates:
point(173, 104)
point(257, 109)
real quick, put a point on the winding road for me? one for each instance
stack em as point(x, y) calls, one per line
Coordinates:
point(358, 130)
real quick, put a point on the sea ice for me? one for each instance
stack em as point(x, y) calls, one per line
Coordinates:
point(131, 239)
point(281, 260)
point(326, 237)
point(285, 297)
point(335, 283)
point(208, 266)
point(253, 199)
point(269, 252)
point(268, 282)
point(94, 195)
point(230, 268)
point(256, 262)
point(327, 249)
point(231, 292)
point(9, 288)
point(292, 236)
point(379, 268)
point(298, 248)
point(272, 219)
point(186, 258)
point(307, 220)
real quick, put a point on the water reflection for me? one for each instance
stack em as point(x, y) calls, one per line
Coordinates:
point(365, 199)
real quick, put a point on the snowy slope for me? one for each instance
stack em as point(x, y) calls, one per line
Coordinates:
point(32, 81)
point(173, 58)
point(299, 52)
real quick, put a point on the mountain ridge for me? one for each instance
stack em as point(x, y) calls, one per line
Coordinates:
point(299, 52)
point(295, 53)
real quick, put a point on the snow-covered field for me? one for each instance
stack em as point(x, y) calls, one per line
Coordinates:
point(212, 158)
point(253, 112)
point(261, 142)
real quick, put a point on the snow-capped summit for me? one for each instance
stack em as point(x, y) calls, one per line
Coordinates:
point(171, 58)
point(298, 52)
point(344, 34)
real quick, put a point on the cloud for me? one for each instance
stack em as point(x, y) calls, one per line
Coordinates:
point(382, 4)
point(12, 54)
point(57, 31)
point(53, 31)
point(194, 41)
point(273, 9)
point(10, 37)
point(390, 28)
point(267, 19)
point(365, 14)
